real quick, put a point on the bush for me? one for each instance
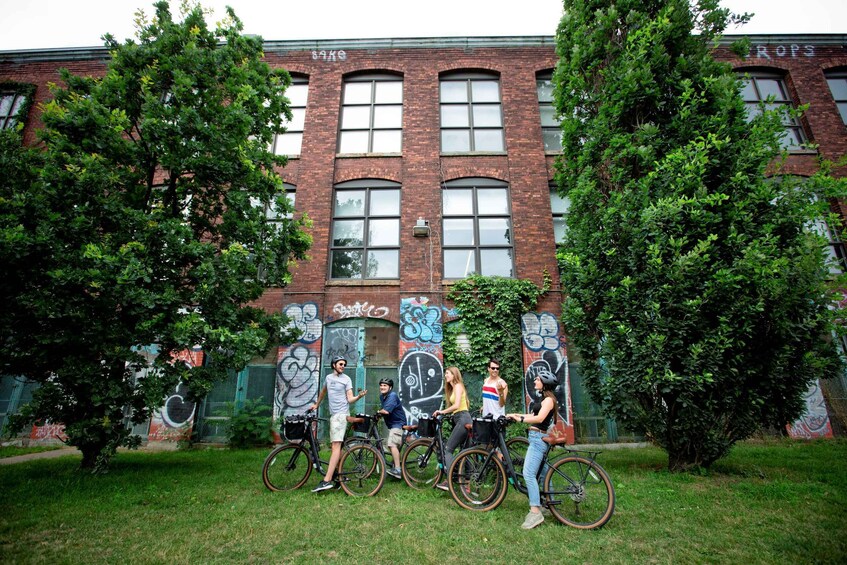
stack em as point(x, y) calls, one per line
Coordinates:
point(250, 423)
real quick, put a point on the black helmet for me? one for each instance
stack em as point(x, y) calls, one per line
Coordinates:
point(387, 381)
point(336, 359)
point(548, 379)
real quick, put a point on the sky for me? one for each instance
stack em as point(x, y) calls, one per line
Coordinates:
point(42, 24)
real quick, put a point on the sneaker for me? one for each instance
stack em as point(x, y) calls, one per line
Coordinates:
point(395, 472)
point(546, 512)
point(323, 485)
point(442, 485)
point(532, 520)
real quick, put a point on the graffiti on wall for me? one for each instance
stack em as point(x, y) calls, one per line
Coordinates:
point(298, 365)
point(360, 310)
point(305, 318)
point(342, 342)
point(544, 352)
point(815, 421)
point(48, 431)
point(174, 420)
point(421, 368)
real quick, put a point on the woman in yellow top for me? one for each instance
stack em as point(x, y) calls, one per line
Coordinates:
point(456, 398)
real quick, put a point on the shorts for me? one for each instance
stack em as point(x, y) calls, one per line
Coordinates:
point(337, 426)
point(395, 437)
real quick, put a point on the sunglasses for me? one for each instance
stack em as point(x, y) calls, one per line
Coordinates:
point(494, 368)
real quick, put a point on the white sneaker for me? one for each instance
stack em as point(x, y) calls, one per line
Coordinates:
point(532, 519)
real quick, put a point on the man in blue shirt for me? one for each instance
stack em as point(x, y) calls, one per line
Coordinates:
point(395, 419)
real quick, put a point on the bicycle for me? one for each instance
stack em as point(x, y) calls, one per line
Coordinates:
point(361, 469)
point(575, 488)
point(419, 471)
point(368, 426)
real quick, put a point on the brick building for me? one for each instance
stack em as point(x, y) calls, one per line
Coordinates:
point(420, 161)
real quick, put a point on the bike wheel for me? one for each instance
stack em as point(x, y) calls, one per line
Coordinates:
point(287, 467)
point(361, 470)
point(477, 480)
point(579, 492)
point(419, 464)
point(517, 451)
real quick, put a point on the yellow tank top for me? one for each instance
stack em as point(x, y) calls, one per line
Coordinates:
point(463, 405)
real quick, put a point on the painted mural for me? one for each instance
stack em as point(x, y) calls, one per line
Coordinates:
point(544, 351)
point(298, 365)
point(174, 420)
point(815, 422)
point(421, 365)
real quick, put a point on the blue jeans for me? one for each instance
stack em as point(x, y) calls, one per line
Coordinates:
point(534, 456)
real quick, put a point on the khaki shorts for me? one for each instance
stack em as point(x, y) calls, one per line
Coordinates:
point(337, 426)
point(395, 437)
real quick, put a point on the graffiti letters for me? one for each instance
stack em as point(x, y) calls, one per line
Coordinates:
point(177, 412)
point(358, 310)
point(815, 421)
point(419, 322)
point(296, 380)
point(420, 382)
point(540, 331)
point(305, 318)
point(779, 51)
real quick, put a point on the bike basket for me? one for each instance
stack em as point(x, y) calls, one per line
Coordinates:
point(364, 426)
point(295, 428)
point(483, 430)
point(426, 426)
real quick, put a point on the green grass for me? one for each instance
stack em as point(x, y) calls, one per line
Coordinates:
point(768, 502)
point(14, 450)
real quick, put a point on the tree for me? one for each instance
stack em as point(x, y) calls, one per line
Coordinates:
point(142, 220)
point(697, 298)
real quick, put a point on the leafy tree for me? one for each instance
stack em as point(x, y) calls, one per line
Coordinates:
point(142, 221)
point(696, 296)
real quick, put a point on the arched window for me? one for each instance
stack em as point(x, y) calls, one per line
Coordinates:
point(551, 129)
point(471, 115)
point(290, 143)
point(768, 90)
point(371, 114)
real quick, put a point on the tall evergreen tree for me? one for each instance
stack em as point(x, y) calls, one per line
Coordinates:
point(143, 220)
point(697, 297)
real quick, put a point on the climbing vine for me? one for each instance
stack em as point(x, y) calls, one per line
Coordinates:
point(490, 310)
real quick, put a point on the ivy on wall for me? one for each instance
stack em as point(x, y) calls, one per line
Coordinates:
point(490, 310)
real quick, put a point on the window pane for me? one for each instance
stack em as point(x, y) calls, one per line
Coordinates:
point(389, 92)
point(289, 144)
point(454, 91)
point(487, 116)
point(383, 264)
point(552, 140)
point(356, 117)
point(488, 140)
point(388, 117)
point(495, 262)
point(6, 104)
point(485, 91)
point(348, 233)
point(349, 203)
point(771, 87)
point(353, 142)
point(559, 227)
point(558, 204)
point(455, 116)
point(346, 264)
point(357, 93)
point(385, 203)
point(298, 119)
point(545, 90)
point(457, 202)
point(459, 263)
point(458, 232)
point(384, 233)
point(548, 116)
point(838, 87)
point(842, 108)
point(455, 140)
point(494, 231)
point(297, 94)
point(493, 201)
point(387, 141)
point(748, 91)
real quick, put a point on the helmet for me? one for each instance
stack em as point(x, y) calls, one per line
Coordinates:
point(387, 381)
point(336, 359)
point(548, 379)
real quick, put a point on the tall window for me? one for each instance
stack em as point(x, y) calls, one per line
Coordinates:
point(838, 87)
point(365, 239)
point(770, 90)
point(371, 115)
point(272, 215)
point(477, 228)
point(10, 105)
point(551, 129)
point(290, 142)
point(560, 207)
point(471, 116)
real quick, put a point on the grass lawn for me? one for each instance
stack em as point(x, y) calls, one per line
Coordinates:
point(768, 502)
point(14, 450)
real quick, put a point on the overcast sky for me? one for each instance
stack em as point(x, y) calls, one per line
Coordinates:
point(36, 24)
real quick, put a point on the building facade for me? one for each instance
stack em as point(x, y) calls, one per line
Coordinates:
point(421, 161)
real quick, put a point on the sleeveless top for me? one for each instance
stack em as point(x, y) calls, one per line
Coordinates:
point(463, 405)
point(491, 400)
point(535, 408)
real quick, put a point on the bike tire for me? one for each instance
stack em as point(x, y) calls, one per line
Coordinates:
point(361, 470)
point(517, 447)
point(419, 464)
point(477, 480)
point(579, 492)
point(287, 467)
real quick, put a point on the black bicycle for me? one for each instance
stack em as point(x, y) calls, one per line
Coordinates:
point(422, 462)
point(366, 430)
point(575, 488)
point(361, 469)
